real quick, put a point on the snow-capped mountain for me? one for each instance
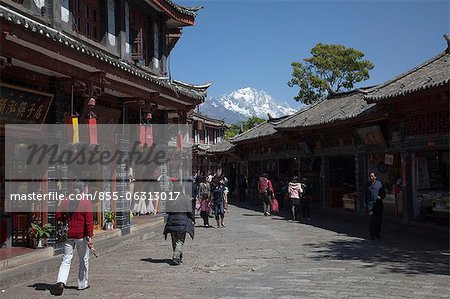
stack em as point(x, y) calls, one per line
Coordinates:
point(242, 104)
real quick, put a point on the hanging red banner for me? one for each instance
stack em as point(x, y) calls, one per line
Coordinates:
point(180, 142)
point(149, 135)
point(141, 134)
point(92, 125)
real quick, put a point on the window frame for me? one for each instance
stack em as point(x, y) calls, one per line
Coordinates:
point(86, 18)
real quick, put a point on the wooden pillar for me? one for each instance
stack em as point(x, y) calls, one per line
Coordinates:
point(360, 179)
point(407, 185)
point(55, 174)
point(324, 172)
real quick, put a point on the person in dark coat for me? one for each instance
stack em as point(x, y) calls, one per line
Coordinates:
point(180, 221)
point(305, 199)
point(219, 203)
point(374, 204)
point(242, 188)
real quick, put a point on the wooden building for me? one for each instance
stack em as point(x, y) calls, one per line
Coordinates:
point(57, 55)
point(417, 106)
point(399, 129)
point(206, 132)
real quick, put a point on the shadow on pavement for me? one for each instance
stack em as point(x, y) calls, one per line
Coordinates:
point(403, 248)
point(394, 258)
point(48, 287)
point(157, 261)
point(249, 215)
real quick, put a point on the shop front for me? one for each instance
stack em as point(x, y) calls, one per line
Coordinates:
point(20, 105)
point(341, 178)
point(388, 167)
point(431, 185)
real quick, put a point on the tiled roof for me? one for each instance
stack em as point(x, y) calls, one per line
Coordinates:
point(190, 11)
point(337, 107)
point(201, 147)
point(264, 129)
point(197, 116)
point(433, 73)
point(222, 147)
point(192, 91)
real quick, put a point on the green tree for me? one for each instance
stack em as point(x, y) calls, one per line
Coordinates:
point(242, 126)
point(330, 69)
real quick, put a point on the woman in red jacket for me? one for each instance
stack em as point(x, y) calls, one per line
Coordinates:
point(77, 211)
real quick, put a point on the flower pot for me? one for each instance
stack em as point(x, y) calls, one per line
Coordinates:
point(109, 225)
point(40, 243)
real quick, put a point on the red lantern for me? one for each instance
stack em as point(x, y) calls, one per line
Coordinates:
point(91, 121)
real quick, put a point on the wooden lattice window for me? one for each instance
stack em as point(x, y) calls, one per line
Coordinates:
point(431, 123)
point(138, 32)
point(338, 139)
point(86, 18)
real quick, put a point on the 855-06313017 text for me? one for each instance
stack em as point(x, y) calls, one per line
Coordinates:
point(172, 195)
point(97, 195)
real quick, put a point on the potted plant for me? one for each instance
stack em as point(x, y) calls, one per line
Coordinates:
point(39, 233)
point(109, 219)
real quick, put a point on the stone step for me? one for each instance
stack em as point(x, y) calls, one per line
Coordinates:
point(38, 254)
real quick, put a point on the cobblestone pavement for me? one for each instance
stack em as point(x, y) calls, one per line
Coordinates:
point(268, 257)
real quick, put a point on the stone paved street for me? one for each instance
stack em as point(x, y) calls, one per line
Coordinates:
point(268, 257)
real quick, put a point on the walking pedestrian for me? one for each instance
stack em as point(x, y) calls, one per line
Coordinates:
point(305, 199)
point(225, 197)
point(242, 188)
point(205, 201)
point(266, 192)
point(79, 216)
point(219, 202)
point(180, 221)
point(294, 193)
point(374, 205)
point(195, 185)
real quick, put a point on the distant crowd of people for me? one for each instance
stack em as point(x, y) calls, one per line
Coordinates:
point(296, 192)
point(209, 197)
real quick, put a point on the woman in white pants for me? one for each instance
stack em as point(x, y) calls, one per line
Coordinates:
point(79, 215)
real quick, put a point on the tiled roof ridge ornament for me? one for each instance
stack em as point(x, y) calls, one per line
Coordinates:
point(447, 39)
point(331, 91)
point(363, 91)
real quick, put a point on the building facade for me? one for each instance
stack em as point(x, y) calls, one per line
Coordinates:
point(58, 59)
point(206, 133)
point(398, 129)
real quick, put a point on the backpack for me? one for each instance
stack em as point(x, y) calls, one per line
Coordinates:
point(306, 189)
point(263, 185)
point(203, 190)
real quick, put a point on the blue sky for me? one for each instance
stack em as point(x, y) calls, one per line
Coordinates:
point(237, 43)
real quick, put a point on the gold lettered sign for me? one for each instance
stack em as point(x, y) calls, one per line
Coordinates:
point(23, 106)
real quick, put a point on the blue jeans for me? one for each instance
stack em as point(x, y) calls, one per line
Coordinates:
point(219, 210)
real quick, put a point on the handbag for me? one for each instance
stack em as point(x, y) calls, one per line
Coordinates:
point(62, 231)
point(274, 205)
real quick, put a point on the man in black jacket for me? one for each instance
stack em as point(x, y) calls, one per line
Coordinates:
point(180, 221)
point(374, 204)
